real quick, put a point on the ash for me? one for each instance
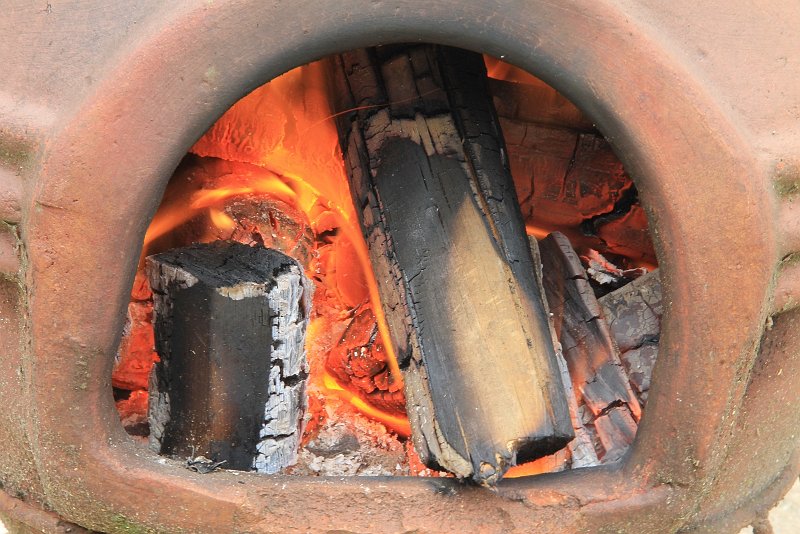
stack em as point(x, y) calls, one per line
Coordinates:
point(347, 443)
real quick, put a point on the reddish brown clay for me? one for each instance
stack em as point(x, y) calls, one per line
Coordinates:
point(99, 101)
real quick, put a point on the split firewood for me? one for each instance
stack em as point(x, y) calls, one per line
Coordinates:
point(447, 241)
point(633, 314)
point(581, 449)
point(230, 325)
point(590, 351)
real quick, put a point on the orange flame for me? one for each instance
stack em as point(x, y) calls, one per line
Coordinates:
point(545, 464)
point(221, 220)
point(500, 70)
point(400, 425)
point(284, 127)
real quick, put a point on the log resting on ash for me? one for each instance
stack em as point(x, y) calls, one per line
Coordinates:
point(447, 242)
point(230, 324)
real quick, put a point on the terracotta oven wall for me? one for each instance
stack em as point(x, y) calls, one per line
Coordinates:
point(99, 102)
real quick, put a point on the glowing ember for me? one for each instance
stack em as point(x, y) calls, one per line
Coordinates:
point(270, 173)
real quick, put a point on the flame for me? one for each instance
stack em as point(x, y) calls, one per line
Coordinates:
point(286, 129)
point(500, 70)
point(400, 425)
point(535, 467)
point(167, 219)
point(272, 186)
point(537, 232)
point(221, 220)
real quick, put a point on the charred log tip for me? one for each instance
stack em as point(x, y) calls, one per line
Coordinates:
point(539, 448)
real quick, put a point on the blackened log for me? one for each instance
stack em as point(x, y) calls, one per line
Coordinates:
point(633, 314)
point(591, 354)
point(446, 238)
point(581, 449)
point(230, 326)
point(615, 430)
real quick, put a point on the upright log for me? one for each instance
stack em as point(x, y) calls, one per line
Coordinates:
point(447, 241)
point(230, 329)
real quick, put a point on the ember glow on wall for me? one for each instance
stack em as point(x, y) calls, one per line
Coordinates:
point(269, 173)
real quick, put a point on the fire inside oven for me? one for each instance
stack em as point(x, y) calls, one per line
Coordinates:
point(341, 371)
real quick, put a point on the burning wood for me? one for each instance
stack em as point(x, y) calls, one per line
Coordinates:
point(360, 359)
point(591, 354)
point(272, 180)
point(446, 238)
point(230, 326)
point(581, 451)
point(634, 314)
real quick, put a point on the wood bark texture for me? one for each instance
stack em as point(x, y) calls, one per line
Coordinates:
point(447, 241)
point(633, 314)
point(588, 347)
point(581, 449)
point(230, 324)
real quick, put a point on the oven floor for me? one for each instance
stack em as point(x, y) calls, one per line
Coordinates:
point(785, 517)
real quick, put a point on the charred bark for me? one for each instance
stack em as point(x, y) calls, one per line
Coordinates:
point(230, 328)
point(633, 314)
point(588, 347)
point(581, 449)
point(447, 241)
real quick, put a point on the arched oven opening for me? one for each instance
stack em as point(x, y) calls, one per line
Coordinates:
point(199, 380)
point(100, 109)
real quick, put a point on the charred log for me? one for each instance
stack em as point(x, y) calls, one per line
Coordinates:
point(589, 349)
point(438, 208)
point(634, 315)
point(230, 328)
point(581, 449)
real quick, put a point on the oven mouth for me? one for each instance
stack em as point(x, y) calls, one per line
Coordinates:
point(252, 179)
point(151, 129)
